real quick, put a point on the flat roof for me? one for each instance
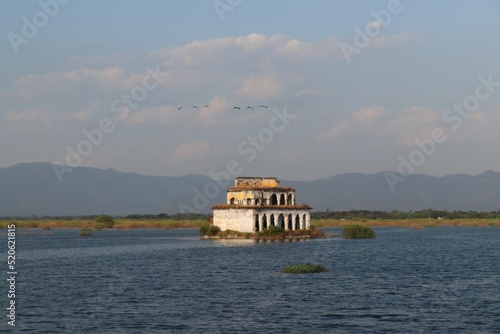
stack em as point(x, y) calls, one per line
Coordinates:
point(263, 207)
point(247, 188)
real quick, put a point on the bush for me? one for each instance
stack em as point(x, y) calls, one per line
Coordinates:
point(213, 230)
point(86, 232)
point(104, 221)
point(209, 230)
point(357, 232)
point(304, 268)
point(271, 231)
point(203, 230)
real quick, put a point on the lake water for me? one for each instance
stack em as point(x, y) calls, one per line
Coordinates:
point(439, 280)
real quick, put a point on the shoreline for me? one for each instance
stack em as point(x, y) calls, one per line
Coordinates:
point(195, 224)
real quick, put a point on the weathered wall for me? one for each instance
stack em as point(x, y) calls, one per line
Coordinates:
point(257, 182)
point(243, 220)
point(234, 219)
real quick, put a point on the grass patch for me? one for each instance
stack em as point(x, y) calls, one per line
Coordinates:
point(304, 268)
point(86, 232)
point(409, 223)
point(357, 232)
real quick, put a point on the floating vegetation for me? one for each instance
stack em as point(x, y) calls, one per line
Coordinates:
point(357, 232)
point(304, 268)
point(86, 232)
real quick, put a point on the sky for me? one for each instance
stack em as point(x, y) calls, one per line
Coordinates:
point(348, 86)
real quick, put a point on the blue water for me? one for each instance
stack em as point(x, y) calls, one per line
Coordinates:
point(439, 280)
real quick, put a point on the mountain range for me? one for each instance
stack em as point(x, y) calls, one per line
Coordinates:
point(35, 189)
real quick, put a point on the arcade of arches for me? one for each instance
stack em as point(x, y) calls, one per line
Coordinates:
point(286, 221)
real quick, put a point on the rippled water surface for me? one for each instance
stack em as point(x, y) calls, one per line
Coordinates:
point(169, 281)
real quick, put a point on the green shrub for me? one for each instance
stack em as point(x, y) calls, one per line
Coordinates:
point(304, 268)
point(271, 231)
point(209, 230)
point(213, 230)
point(203, 230)
point(357, 232)
point(86, 232)
point(104, 221)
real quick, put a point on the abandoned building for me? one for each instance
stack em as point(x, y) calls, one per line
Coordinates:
point(255, 203)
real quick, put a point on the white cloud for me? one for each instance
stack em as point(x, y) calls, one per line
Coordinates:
point(359, 120)
point(314, 92)
point(382, 41)
point(368, 114)
point(84, 115)
point(44, 117)
point(374, 26)
point(334, 132)
point(263, 87)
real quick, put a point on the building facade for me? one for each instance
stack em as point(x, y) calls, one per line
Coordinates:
point(255, 203)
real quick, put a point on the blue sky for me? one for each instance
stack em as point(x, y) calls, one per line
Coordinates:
point(364, 112)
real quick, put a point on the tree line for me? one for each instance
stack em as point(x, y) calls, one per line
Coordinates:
point(349, 215)
point(395, 214)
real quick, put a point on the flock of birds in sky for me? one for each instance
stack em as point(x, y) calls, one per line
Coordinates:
point(234, 108)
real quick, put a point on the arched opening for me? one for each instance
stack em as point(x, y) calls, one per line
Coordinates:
point(281, 221)
point(289, 199)
point(257, 223)
point(297, 222)
point(282, 199)
point(290, 222)
point(264, 222)
point(274, 199)
point(231, 201)
point(249, 201)
point(257, 201)
point(304, 222)
point(272, 220)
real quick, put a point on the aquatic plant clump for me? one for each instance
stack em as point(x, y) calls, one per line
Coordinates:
point(304, 268)
point(357, 232)
point(209, 230)
point(86, 232)
point(104, 221)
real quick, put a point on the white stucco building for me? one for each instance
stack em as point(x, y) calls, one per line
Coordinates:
point(254, 203)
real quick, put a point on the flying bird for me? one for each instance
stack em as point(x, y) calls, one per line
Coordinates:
point(195, 107)
point(248, 108)
point(207, 106)
point(262, 106)
point(236, 108)
point(179, 108)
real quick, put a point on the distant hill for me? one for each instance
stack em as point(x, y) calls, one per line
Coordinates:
point(354, 191)
point(33, 188)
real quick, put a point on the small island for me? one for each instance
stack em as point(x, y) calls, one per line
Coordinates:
point(260, 208)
